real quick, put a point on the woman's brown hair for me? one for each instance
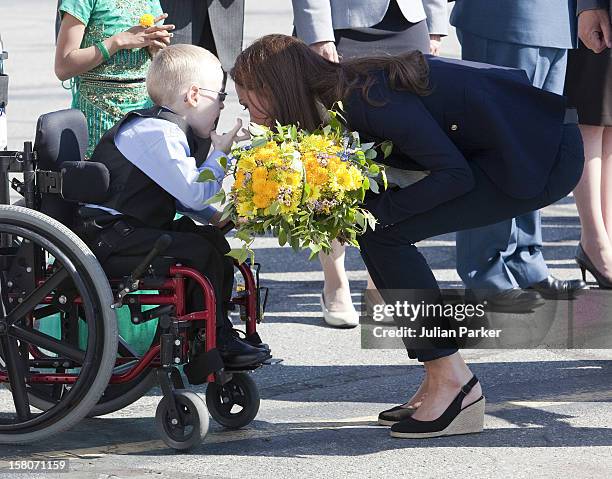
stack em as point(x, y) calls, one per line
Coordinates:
point(292, 77)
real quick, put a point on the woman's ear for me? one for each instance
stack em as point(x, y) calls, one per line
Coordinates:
point(193, 95)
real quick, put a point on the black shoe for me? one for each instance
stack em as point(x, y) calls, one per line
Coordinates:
point(237, 354)
point(254, 339)
point(585, 264)
point(395, 414)
point(453, 421)
point(553, 288)
point(514, 301)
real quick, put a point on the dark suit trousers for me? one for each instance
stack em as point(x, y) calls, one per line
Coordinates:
point(200, 247)
point(395, 263)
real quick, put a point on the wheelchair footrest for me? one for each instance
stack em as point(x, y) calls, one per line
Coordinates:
point(253, 367)
point(272, 361)
point(200, 366)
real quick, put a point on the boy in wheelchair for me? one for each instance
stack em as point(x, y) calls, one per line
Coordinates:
point(151, 158)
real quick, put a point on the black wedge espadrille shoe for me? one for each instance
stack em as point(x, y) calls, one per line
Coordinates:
point(454, 420)
point(395, 414)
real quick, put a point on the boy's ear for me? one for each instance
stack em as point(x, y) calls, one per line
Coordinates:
point(193, 95)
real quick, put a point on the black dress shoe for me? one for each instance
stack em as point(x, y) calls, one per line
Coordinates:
point(514, 301)
point(395, 414)
point(236, 353)
point(553, 288)
point(454, 420)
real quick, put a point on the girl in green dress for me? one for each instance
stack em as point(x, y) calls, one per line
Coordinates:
point(105, 53)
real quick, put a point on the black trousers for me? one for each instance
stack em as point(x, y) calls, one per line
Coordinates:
point(395, 263)
point(203, 248)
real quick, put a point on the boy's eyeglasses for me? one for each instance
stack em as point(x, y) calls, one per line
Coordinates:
point(221, 94)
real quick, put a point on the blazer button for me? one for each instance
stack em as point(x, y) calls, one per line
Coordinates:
point(454, 127)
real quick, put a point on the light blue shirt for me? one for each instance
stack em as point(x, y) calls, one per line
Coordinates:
point(160, 150)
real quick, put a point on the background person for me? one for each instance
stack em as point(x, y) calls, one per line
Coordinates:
point(216, 25)
point(589, 88)
point(502, 260)
point(106, 54)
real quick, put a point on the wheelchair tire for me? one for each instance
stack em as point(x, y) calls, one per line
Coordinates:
point(82, 267)
point(240, 391)
point(193, 413)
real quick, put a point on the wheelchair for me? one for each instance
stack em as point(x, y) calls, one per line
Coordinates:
point(60, 349)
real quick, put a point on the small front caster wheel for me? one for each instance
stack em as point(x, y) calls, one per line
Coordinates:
point(191, 426)
point(234, 404)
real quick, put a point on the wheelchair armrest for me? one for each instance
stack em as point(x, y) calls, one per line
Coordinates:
point(84, 181)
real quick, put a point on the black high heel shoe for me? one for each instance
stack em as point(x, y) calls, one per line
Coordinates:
point(453, 421)
point(585, 264)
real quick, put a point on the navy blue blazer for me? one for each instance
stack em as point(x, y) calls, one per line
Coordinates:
point(476, 112)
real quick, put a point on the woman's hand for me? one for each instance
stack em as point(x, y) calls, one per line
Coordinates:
point(155, 37)
point(225, 141)
point(326, 50)
point(435, 42)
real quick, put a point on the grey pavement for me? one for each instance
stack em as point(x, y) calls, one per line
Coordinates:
point(548, 414)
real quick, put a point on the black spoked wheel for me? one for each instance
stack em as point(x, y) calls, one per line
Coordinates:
point(44, 268)
point(115, 396)
point(191, 426)
point(234, 404)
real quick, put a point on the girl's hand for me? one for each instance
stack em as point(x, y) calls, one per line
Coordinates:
point(155, 37)
point(153, 49)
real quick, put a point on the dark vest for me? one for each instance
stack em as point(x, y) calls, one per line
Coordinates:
point(132, 192)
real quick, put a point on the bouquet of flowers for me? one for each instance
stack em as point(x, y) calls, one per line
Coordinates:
point(306, 188)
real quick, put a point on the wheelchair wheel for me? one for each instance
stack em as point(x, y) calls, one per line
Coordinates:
point(235, 403)
point(79, 367)
point(193, 425)
point(115, 396)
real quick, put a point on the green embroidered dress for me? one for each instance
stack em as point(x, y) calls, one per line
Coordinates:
point(107, 92)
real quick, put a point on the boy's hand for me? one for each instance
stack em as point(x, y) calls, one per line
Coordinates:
point(216, 220)
point(225, 141)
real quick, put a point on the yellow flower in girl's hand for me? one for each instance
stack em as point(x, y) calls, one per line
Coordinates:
point(147, 20)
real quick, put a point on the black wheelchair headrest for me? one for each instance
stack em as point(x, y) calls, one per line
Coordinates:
point(85, 181)
point(60, 136)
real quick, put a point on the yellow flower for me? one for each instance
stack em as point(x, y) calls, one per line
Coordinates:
point(258, 186)
point(294, 180)
point(260, 174)
point(246, 164)
point(261, 201)
point(147, 20)
point(344, 179)
point(244, 210)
